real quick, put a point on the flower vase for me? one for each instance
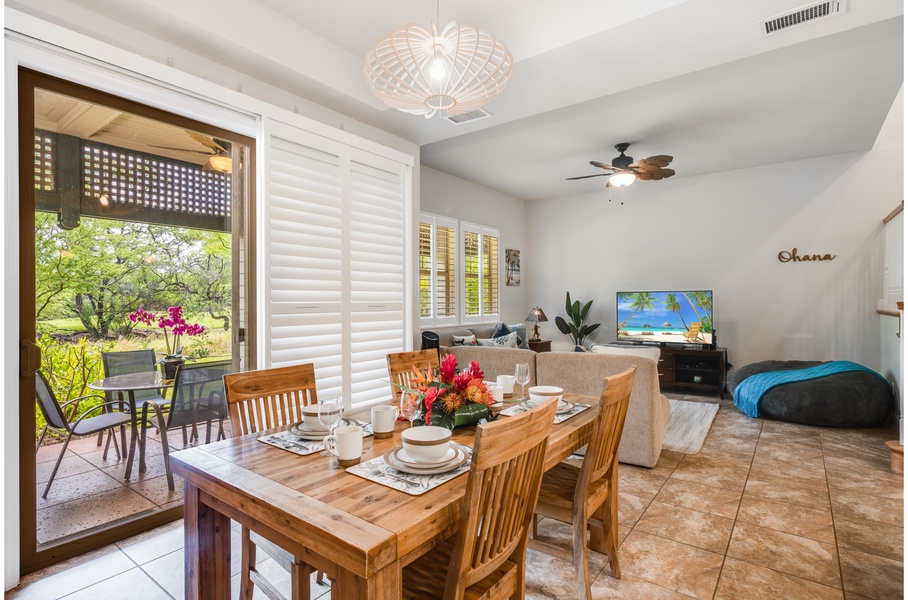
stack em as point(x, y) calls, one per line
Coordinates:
point(465, 415)
point(169, 366)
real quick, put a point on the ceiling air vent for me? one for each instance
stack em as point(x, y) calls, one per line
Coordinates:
point(805, 14)
point(469, 117)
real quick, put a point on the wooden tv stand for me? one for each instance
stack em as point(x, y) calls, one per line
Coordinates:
point(694, 369)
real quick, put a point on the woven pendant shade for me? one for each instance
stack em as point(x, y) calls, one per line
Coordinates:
point(423, 72)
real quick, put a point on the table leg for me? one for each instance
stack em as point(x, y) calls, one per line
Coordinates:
point(134, 436)
point(142, 438)
point(206, 549)
point(382, 585)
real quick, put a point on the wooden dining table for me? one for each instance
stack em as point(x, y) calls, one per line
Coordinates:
point(359, 532)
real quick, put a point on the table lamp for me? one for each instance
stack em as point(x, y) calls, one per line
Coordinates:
point(536, 317)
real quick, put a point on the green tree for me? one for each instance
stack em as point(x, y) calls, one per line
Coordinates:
point(639, 301)
point(672, 304)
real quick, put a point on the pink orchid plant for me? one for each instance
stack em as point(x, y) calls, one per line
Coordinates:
point(173, 321)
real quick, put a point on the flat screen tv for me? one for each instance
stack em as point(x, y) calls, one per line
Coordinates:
point(666, 317)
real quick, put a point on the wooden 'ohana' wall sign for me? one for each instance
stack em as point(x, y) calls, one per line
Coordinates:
point(793, 256)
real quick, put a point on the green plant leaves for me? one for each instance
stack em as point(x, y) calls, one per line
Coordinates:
point(577, 314)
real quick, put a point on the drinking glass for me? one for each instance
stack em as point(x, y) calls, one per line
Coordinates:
point(522, 376)
point(409, 406)
point(330, 414)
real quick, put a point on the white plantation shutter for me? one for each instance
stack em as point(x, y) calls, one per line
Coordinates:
point(336, 222)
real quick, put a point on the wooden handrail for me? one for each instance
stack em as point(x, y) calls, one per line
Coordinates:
point(895, 212)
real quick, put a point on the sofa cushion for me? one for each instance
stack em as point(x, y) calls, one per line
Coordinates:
point(650, 352)
point(520, 329)
point(504, 341)
point(464, 340)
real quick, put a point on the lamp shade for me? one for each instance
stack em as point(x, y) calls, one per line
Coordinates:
point(423, 71)
point(622, 179)
point(536, 316)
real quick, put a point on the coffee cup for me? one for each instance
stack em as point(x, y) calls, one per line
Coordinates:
point(506, 383)
point(346, 443)
point(384, 418)
point(310, 418)
point(496, 392)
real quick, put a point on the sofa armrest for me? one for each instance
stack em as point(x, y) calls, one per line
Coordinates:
point(495, 361)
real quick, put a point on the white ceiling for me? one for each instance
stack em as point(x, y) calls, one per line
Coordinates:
point(696, 79)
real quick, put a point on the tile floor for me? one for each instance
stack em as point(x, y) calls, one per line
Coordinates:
point(765, 510)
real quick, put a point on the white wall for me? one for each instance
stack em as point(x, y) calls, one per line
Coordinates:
point(723, 232)
point(457, 198)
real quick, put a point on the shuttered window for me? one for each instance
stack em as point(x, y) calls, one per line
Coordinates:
point(480, 272)
point(336, 219)
point(437, 270)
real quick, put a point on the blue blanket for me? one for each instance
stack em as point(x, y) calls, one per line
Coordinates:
point(749, 391)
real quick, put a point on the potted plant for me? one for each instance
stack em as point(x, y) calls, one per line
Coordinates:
point(576, 329)
point(178, 326)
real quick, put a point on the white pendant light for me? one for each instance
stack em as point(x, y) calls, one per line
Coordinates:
point(423, 72)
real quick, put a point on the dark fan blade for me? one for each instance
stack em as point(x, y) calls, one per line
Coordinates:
point(596, 163)
point(206, 141)
point(588, 176)
point(205, 152)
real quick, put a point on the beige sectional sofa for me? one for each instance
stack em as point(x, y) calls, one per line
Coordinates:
point(584, 373)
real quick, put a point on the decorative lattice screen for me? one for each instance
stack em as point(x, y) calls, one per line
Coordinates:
point(44, 161)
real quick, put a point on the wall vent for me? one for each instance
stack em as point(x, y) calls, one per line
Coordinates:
point(803, 15)
point(469, 117)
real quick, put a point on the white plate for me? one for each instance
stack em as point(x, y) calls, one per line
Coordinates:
point(390, 459)
point(301, 430)
point(564, 407)
point(402, 456)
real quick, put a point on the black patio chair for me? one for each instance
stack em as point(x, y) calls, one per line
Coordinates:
point(198, 397)
point(133, 361)
point(55, 416)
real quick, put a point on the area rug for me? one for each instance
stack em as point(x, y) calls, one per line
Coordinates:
point(687, 426)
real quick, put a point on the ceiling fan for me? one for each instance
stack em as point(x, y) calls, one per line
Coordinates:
point(625, 171)
point(218, 158)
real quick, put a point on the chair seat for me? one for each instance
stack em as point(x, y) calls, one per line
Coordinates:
point(101, 422)
point(558, 484)
point(426, 577)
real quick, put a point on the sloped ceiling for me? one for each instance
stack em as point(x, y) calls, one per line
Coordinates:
point(695, 79)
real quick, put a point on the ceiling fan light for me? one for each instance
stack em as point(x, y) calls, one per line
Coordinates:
point(219, 162)
point(622, 179)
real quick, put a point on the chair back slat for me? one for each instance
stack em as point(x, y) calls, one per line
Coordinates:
point(503, 485)
point(259, 400)
point(602, 453)
point(198, 393)
point(400, 367)
point(48, 404)
point(131, 361)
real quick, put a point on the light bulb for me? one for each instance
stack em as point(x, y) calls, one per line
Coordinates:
point(438, 70)
point(622, 179)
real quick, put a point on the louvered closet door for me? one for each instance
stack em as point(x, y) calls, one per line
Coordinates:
point(335, 262)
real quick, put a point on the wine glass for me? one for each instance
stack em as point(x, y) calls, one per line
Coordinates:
point(522, 376)
point(330, 413)
point(409, 406)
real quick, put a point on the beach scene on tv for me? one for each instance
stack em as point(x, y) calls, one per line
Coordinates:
point(665, 317)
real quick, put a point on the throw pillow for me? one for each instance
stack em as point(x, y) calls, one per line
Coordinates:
point(581, 349)
point(521, 330)
point(464, 340)
point(501, 330)
point(504, 341)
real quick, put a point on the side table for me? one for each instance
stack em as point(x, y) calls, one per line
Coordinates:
point(540, 345)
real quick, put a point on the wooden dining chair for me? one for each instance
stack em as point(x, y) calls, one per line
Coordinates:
point(400, 367)
point(487, 557)
point(259, 400)
point(589, 494)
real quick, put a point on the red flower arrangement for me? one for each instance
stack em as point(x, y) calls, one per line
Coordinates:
point(452, 398)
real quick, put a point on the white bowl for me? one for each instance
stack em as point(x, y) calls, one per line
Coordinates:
point(540, 393)
point(426, 444)
point(310, 418)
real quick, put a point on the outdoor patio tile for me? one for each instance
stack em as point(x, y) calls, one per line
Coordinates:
point(65, 519)
point(155, 489)
point(671, 564)
point(813, 523)
point(713, 500)
point(70, 465)
point(791, 554)
point(74, 487)
point(688, 526)
point(745, 581)
point(872, 576)
point(881, 539)
point(139, 585)
point(97, 459)
point(89, 443)
point(50, 452)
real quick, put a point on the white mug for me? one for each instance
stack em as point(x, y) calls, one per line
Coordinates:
point(506, 383)
point(346, 443)
point(497, 392)
point(384, 418)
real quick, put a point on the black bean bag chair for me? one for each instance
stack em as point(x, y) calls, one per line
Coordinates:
point(849, 399)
